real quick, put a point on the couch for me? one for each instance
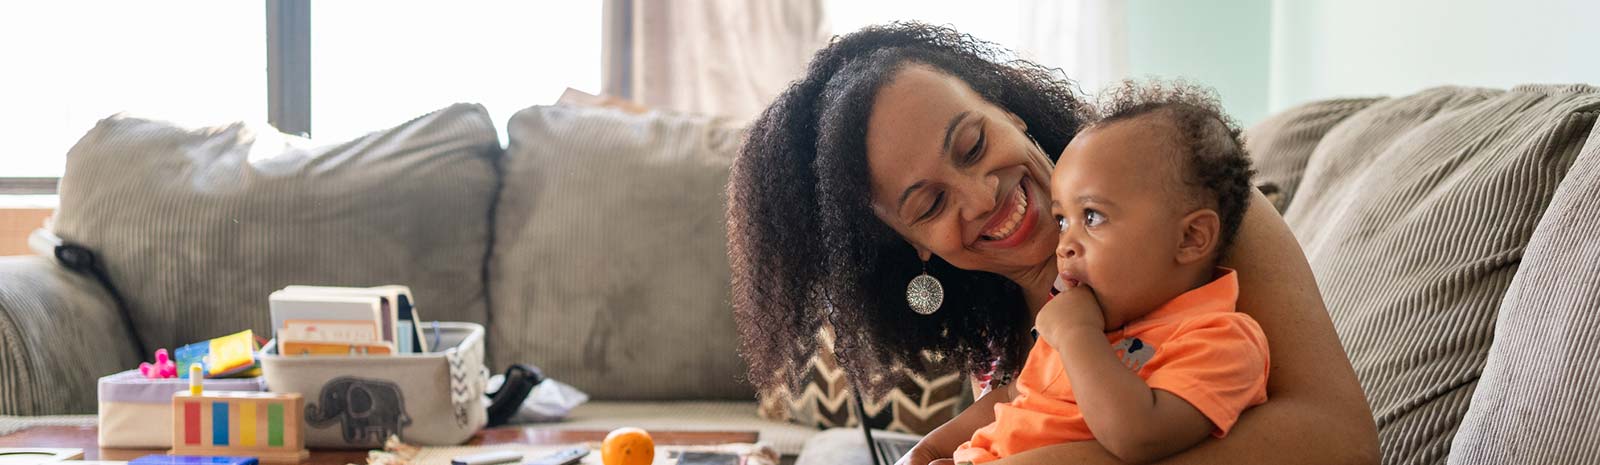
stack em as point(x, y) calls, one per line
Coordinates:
point(591, 246)
point(1455, 234)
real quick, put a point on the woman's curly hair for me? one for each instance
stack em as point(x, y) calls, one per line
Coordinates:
point(803, 242)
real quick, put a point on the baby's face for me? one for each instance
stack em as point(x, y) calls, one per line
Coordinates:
point(1120, 218)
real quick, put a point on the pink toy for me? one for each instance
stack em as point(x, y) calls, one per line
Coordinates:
point(163, 368)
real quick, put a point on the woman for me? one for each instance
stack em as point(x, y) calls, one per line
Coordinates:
point(909, 149)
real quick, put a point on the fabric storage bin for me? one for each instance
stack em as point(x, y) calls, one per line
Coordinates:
point(136, 412)
point(357, 401)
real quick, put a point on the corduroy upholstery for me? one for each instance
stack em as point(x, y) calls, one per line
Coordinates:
point(610, 269)
point(1414, 213)
point(1536, 400)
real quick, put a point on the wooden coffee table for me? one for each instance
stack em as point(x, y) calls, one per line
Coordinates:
point(87, 438)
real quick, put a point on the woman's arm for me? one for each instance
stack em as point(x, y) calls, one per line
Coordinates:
point(1315, 411)
point(943, 441)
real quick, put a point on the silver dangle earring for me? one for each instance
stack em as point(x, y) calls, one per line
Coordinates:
point(925, 294)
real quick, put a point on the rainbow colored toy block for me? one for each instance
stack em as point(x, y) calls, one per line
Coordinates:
point(257, 424)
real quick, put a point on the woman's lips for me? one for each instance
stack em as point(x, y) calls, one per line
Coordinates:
point(1025, 224)
point(1007, 215)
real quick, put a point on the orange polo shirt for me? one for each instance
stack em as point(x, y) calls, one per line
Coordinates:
point(1195, 347)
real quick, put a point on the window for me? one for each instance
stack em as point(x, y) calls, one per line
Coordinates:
point(376, 63)
point(70, 64)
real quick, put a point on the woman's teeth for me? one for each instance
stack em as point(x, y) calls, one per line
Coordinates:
point(1004, 230)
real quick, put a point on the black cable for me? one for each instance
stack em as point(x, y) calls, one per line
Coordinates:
point(80, 259)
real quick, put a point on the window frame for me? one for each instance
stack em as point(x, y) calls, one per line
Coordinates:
point(289, 66)
point(288, 24)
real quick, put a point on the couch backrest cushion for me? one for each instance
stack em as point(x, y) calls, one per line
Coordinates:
point(1280, 145)
point(1414, 213)
point(1536, 400)
point(610, 268)
point(198, 226)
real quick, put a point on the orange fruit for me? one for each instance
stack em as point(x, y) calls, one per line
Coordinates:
point(628, 446)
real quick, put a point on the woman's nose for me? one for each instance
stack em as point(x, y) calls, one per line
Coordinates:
point(982, 198)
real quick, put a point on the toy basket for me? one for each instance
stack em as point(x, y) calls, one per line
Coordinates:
point(357, 401)
point(136, 412)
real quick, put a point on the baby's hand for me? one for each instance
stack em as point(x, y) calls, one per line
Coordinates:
point(1076, 307)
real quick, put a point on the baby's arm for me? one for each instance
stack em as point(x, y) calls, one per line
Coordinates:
point(943, 441)
point(1132, 421)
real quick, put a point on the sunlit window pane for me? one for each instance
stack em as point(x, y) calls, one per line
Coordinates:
point(68, 64)
point(375, 63)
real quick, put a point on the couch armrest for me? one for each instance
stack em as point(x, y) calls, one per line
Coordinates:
point(59, 332)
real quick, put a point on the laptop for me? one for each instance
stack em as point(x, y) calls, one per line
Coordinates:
point(884, 451)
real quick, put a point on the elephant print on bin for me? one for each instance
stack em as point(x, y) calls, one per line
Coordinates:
point(369, 410)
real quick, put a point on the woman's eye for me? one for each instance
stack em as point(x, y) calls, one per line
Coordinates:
point(933, 207)
point(1093, 218)
point(1061, 223)
point(977, 149)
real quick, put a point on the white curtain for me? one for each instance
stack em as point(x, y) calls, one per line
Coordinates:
point(732, 57)
point(1087, 39)
point(717, 57)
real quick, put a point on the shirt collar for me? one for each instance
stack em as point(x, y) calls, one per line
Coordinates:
point(1219, 295)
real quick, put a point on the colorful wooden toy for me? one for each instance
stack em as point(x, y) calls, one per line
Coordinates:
point(258, 424)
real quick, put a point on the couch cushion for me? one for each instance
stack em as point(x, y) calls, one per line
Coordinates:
point(610, 269)
point(58, 334)
point(197, 226)
point(1280, 145)
point(1414, 213)
point(1536, 400)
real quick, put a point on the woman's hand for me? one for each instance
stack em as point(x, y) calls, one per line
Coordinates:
point(1075, 308)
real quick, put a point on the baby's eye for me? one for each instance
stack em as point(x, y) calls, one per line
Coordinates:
point(1061, 223)
point(1093, 218)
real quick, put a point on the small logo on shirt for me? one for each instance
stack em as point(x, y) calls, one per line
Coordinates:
point(1134, 353)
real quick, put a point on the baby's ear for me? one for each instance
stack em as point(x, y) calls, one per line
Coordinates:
point(1201, 229)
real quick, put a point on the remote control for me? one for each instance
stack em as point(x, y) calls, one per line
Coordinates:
point(488, 458)
point(564, 457)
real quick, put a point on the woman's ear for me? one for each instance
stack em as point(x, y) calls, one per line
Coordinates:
point(1201, 229)
point(924, 254)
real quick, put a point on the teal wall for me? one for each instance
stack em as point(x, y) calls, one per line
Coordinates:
point(1224, 44)
point(1263, 56)
point(1336, 48)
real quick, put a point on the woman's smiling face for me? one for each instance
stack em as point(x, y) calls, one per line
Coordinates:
point(958, 177)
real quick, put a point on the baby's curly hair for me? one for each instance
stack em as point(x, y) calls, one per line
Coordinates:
point(806, 249)
point(1213, 164)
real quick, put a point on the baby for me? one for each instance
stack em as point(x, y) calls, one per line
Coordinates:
point(1142, 349)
